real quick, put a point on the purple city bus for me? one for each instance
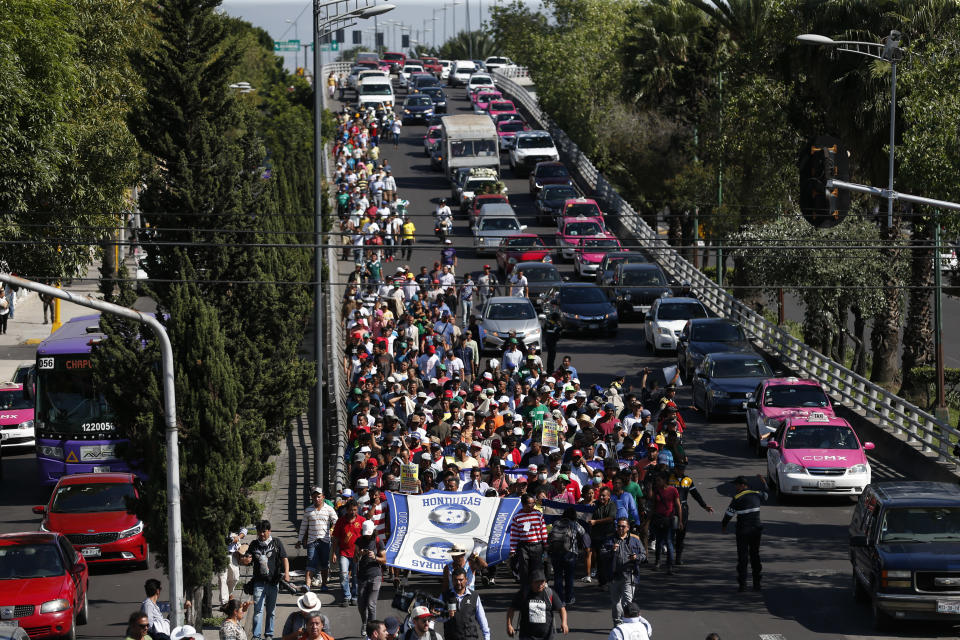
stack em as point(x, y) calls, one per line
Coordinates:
point(75, 429)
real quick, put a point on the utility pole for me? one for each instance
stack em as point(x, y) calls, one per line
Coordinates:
point(469, 37)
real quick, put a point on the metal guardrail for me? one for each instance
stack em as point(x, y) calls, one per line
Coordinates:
point(513, 72)
point(892, 413)
point(334, 325)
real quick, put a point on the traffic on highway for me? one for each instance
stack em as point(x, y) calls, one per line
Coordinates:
point(547, 435)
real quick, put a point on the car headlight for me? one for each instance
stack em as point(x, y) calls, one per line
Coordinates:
point(547, 258)
point(406, 110)
point(791, 467)
point(52, 606)
point(132, 531)
point(25, 425)
point(858, 468)
point(52, 452)
point(567, 314)
point(664, 331)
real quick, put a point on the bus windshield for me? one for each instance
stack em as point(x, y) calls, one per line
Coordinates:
point(67, 402)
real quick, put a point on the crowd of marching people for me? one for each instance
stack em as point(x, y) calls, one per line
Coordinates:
point(600, 470)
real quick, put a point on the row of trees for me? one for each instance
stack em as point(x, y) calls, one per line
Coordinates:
point(100, 96)
point(697, 106)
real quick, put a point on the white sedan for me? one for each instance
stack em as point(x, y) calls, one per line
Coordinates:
point(665, 321)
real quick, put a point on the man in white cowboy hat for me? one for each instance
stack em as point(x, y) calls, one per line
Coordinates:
point(186, 632)
point(308, 603)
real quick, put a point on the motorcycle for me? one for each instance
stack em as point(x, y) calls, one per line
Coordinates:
point(443, 228)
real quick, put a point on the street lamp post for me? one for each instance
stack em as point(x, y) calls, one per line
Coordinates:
point(889, 50)
point(326, 15)
point(469, 39)
point(174, 533)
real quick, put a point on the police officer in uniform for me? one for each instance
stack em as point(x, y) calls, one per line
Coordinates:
point(686, 488)
point(552, 330)
point(745, 506)
point(465, 619)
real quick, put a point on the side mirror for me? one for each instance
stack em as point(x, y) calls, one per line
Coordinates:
point(858, 541)
point(39, 510)
point(773, 444)
point(869, 446)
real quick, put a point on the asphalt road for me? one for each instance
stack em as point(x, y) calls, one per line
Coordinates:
point(806, 571)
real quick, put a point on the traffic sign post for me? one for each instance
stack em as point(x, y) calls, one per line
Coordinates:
point(280, 46)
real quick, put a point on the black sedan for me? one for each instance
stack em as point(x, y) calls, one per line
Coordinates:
point(582, 308)
point(703, 336)
point(548, 173)
point(416, 108)
point(438, 96)
point(550, 201)
point(724, 382)
point(542, 277)
point(634, 287)
point(608, 265)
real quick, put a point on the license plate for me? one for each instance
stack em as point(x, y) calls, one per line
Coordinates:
point(594, 326)
point(948, 606)
point(90, 552)
point(826, 484)
point(103, 469)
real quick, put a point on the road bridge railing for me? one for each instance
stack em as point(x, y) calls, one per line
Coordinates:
point(933, 438)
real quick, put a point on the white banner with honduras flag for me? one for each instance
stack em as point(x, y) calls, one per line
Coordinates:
point(423, 528)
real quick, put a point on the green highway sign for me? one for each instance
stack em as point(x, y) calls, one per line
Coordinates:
point(288, 45)
point(333, 46)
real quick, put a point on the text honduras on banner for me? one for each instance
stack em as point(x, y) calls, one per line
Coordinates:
point(423, 528)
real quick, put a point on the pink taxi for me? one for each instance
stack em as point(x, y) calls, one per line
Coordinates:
point(581, 207)
point(482, 99)
point(590, 254)
point(571, 230)
point(16, 416)
point(817, 454)
point(776, 399)
point(502, 107)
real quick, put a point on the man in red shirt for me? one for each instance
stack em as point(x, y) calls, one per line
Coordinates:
point(345, 534)
point(665, 518)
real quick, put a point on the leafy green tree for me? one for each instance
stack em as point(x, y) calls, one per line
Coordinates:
point(65, 90)
point(127, 368)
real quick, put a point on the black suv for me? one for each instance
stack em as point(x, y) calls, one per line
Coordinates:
point(905, 551)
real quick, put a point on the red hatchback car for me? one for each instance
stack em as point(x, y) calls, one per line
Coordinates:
point(93, 511)
point(43, 584)
point(521, 247)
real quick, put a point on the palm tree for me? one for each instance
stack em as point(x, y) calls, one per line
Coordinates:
point(464, 43)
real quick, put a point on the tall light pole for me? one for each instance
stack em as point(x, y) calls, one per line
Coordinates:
point(325, 16)
point(435, 27)
point(174, 533)
point(469, 39)
point(889, 50)
point(296, 36)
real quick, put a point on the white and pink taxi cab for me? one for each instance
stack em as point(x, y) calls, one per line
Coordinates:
point(16, 416)
point(817, 454)
point(776, 399)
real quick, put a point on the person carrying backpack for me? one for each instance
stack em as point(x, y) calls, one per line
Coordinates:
point(536, 603)
point(270, 563)
point(565, 542)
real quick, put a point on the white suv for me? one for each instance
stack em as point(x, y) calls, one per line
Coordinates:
point(496, 62)
point(530, 148)
point(479, 82)
point(461, 72)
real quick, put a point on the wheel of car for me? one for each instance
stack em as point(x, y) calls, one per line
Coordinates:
point(706, 409)
point(84, 614)
point(860, 594)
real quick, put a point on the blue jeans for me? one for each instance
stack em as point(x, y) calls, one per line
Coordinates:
point(663, 533)
point(264, 595)
point(563, 567)
point(348, 577)
point(318, 556)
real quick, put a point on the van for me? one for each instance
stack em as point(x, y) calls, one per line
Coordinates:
point(375, 90)
point(905, 551)
point(461, 72)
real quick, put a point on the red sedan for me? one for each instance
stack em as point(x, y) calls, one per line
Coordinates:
point(95, 511)
point(521, 247)
point(43, 584)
